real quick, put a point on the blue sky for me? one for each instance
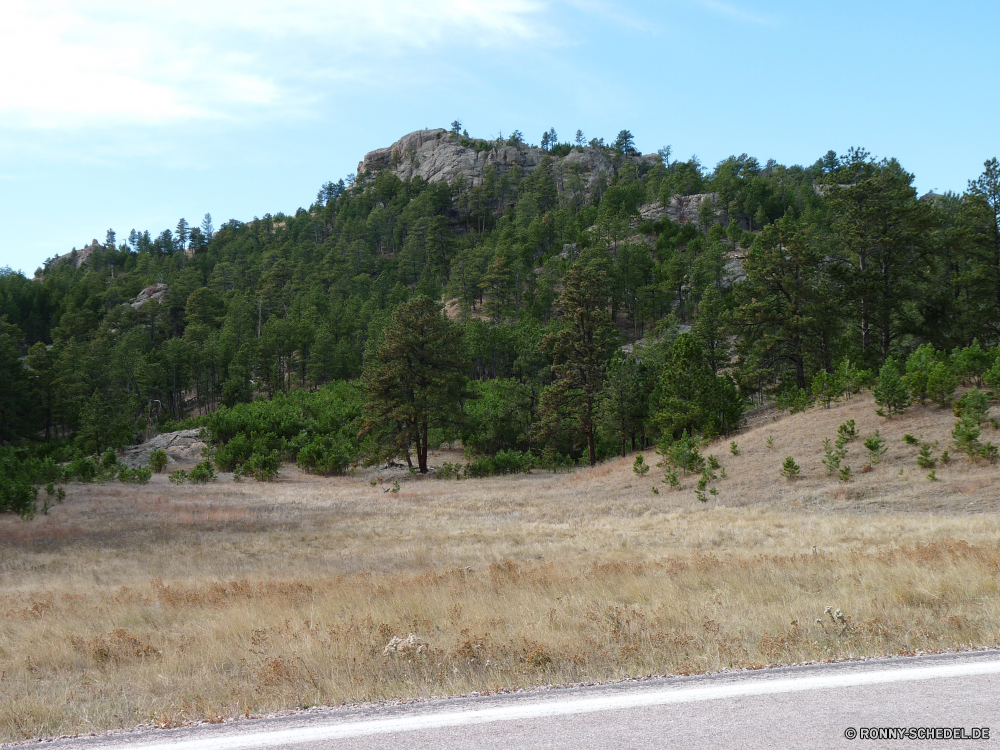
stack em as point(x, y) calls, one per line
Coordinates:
point(132, 115)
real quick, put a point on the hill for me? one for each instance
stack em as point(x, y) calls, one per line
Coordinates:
point(598, 299)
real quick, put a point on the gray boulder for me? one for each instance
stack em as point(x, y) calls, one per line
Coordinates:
point(184, 445)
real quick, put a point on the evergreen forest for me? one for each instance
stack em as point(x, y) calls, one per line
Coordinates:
point(534, 323)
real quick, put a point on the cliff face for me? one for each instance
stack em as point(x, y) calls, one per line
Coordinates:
point(438, 155)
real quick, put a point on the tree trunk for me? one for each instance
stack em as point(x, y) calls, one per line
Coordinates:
point(422, 448)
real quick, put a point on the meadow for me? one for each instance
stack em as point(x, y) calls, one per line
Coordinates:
point(169, 604)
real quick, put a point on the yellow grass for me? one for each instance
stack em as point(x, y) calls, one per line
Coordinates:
point(135, 604)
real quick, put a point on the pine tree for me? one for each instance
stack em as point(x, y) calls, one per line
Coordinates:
point(890, 391)
point(416, 379)
point(579, 352)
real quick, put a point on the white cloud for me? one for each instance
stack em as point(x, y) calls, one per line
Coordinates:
point(71, 63)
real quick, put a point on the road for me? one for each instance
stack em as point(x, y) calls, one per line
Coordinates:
point(789, 707)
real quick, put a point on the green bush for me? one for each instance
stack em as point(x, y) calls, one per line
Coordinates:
point(448, 470)
point(202, 472)
point(140, 475)
point(179, 477)
point(262, 466)
point(318, 430)
point(925, 459)
point(158, 460)
point(82, 469)
point(890, 391)
point(876, 448)
point(789, 469)
point(682, 454)
point(504, 462)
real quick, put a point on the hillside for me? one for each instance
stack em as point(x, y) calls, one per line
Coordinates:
point(598, 300)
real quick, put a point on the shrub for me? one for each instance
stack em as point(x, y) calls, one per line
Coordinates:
point(941, 383)
point(909, 439)
point(990, 452)
point(789, 469)
point(826, 388)
point(639, 466)
point(82, 469)
point(925, 459)
point(504, 462)
point(140, 475)
point(793, 399)
point(682, 454)
point(845, 473)
point(974, 405)
point(158, 460)
point(179, 477)
point(971, 362)
point(323, 426)
point(890, 391)
point(448, 470)
point(734, 448)
point(876, 448)
point(202, 472)
point(261, 466)
point(965, 436)
point(832, 456)
point(847, 431)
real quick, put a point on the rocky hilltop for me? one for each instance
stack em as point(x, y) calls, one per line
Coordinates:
point(440, 155)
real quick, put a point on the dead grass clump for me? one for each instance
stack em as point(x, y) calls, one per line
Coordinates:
point(117, 647)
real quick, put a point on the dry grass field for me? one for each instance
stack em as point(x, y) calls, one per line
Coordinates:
point(165, 604)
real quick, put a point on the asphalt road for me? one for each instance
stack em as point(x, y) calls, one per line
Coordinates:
point(791, 707)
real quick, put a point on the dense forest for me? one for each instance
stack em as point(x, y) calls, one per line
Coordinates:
point(533, 321)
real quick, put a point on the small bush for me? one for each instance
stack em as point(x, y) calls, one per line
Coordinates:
point(140, 475)
point(82, 469)
point(909, 439)
point(682, 454)
point(158, 460)
point(925, 459)
point(504, 462)
point(847, 431)
point(876, 448)
point(734, 448)
point(179, 477)
point(639, 467)
point(262, 467)
point(832, 457)
point(789, 469)
point(448, 470)
point(846, 474)
point(201, 473)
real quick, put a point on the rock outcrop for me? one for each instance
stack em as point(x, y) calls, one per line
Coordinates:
point(184, 445)
point(439, 155)
point(76, 257)
point(682, 209)
point(154, 293)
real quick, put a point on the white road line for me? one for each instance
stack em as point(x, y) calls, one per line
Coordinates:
point(631, 699)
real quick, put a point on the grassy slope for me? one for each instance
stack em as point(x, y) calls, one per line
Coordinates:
point(131, 604)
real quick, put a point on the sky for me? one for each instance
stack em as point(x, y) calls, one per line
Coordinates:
point(117, 114)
